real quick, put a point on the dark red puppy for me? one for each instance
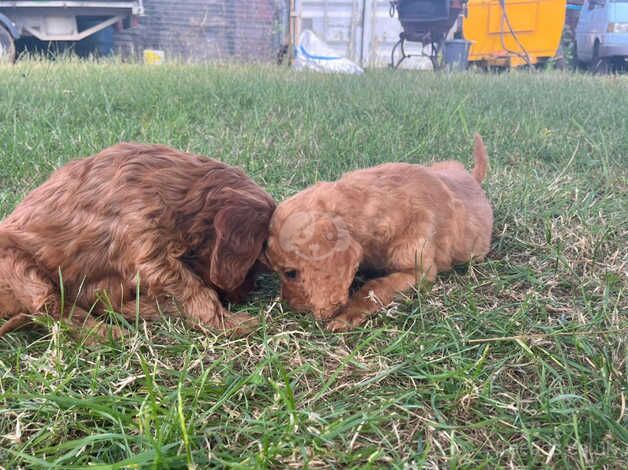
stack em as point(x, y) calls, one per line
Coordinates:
point(172, 225)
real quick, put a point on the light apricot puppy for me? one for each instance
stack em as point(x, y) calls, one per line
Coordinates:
point(408, 222)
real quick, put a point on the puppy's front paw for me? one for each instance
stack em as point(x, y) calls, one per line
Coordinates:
point(240, 324)
point(346, 320)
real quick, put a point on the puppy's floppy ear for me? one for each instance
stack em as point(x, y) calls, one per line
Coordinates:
point(240, 233)
point(333, 257)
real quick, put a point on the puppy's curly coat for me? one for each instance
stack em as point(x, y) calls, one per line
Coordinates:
point(187, 227)
point(405, 221)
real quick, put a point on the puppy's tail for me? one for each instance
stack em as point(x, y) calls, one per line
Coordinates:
point(481, 159)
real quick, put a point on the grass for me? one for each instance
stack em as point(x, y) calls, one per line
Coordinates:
point(521, 362)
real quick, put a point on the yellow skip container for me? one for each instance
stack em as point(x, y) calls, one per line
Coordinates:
point(511, 33)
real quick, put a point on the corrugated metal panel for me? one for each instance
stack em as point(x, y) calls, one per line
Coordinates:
point(206, 29)
point(381, 33)
point(337, 22)
point(361, 30)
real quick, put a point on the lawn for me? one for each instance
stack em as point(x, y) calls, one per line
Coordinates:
point(520, 362)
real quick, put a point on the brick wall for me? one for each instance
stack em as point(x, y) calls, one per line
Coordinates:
point(199, 30)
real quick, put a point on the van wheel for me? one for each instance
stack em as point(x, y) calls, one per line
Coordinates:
point(7, 47)
point(577, 63)
point(598, 64)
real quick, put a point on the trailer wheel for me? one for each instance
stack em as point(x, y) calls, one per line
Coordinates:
point(7, 47)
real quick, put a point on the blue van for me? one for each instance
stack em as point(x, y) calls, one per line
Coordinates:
point(602, 34)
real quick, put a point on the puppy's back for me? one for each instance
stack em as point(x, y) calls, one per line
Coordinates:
point(101, 206)
point(396, 193)
point(124, 177)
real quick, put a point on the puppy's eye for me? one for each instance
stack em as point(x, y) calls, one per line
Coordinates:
point(291, 274)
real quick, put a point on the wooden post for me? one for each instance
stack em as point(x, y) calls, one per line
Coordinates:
point(293, 31)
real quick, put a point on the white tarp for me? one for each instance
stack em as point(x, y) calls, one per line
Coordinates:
point(314, 54)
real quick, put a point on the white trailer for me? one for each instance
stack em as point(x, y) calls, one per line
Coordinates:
point(58, 20)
